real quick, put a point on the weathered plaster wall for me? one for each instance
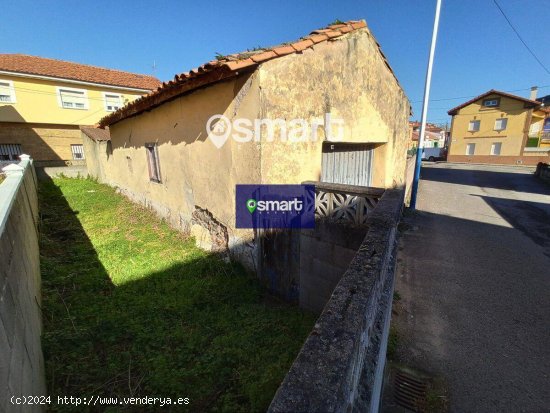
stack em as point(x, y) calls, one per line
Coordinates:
point(21, 361)
point(195, 174)
point(325, 254)
point(97, 156)
point(348, 78)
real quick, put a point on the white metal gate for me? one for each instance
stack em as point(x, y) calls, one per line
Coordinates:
point(347, 163)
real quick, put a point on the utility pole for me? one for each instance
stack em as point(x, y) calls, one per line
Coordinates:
point(418, 164)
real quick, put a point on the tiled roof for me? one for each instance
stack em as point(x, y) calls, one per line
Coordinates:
point(96, 134)
point(225, 67)
point(429, 126)
point(41, 66)
point(455, 110)
point(427, 134)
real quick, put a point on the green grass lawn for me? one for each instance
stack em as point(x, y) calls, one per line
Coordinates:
point(132, 308)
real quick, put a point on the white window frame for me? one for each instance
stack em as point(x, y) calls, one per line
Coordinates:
point(493, 146)
point(478, 122)
point(468, 146)
point(486, 102)
point(71, 89)
point(105, 94)
point(501, 121)
point(11, 89)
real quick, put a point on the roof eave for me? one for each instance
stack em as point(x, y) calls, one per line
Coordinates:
point(173, 91)
point(70, 80)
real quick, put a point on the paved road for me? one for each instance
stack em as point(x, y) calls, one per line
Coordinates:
point(474, 277)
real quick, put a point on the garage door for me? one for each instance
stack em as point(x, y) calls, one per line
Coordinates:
point(347, 163)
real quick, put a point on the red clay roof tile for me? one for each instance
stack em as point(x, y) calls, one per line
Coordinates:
point(333, 33)
point(359, 24)
point(317, 38)
point(97, 134)
point(240, 64)
point(41, 66)
point(283, 50)
point(531, 103)
point(302, 45)
point(346, 29)
point(260, 57)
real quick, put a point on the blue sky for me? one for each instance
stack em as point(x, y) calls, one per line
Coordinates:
point(476, 50)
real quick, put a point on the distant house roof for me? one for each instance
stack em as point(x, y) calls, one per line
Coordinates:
point(427, 135)
point(96, 134)
point(529, 102)
point(41, 66)
point(429, 126)
point(226, 67)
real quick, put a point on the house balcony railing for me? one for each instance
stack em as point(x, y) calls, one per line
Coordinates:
point(535, 139)
point(347, 204)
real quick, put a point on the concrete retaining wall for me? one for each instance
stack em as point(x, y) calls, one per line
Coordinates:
point(339, 368)
point(325, 254)
point(21, 361)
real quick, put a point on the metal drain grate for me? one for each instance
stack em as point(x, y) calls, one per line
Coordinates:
point(410, 391)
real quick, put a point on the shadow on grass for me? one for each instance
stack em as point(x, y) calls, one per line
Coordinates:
point(200, 328)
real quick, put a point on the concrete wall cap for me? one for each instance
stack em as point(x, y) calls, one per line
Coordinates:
point(12, 169)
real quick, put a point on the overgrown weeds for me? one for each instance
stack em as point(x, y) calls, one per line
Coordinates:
point(132, 308)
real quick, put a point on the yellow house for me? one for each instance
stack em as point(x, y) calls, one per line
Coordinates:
point(498, 128)
point(43, 102)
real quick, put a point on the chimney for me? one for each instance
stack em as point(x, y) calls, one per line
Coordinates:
point(533, 95)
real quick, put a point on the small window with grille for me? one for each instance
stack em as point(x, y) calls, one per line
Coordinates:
point(78, 152)
point(10, 152)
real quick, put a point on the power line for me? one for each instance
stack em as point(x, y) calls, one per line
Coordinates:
point(520, 38)
point(473, 96)
point(45, 92)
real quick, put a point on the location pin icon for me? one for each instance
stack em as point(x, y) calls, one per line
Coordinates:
point(251, 205)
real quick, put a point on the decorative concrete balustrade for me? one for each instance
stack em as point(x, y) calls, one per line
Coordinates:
point(340, 367)
point(345, 203)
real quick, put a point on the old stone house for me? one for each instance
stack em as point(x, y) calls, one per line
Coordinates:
point(160, 154)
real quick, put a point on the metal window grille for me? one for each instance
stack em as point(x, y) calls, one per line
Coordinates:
point(78, 152)
point(10, 152)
